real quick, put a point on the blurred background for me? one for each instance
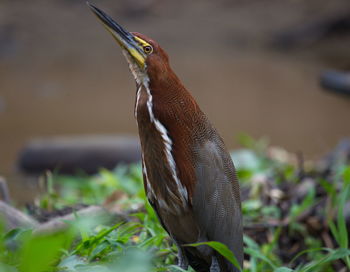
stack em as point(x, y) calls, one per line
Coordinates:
point(254, 66)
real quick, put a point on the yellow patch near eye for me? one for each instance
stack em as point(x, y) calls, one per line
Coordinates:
point(142, 42)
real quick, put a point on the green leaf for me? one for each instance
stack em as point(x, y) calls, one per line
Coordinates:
point(175, 268)
point(98, 249)
point(308, 201)
point(341, 222)
point(257, 254)
point(39, 253)
point(283, 269)
point(91, 268)
point(346, 175)
point(104, 233)
point(153, 241)
point(71, 262)
point(7, 268)
point(222, 249)
point(304, 252)
point(334, 230)
point(245, 159)
point(332, 256)
point(250, 242)
point(12, 234)
point(251, 205)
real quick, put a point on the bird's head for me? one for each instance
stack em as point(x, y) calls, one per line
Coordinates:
point(147, 60)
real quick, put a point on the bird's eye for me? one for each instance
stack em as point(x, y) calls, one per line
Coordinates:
point(148, 49)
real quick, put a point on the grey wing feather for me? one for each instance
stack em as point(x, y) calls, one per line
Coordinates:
point(216, 199)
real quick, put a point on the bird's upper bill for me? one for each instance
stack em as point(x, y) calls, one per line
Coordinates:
point(135, 46)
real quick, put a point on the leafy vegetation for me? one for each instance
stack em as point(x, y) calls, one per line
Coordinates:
point(282, 201)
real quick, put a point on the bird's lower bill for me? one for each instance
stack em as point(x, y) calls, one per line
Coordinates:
point(131, 50)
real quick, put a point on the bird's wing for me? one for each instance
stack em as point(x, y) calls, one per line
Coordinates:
point(216, 198)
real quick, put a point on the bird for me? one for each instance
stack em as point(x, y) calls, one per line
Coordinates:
point(188, 175)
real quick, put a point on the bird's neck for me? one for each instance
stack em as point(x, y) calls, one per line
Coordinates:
point(168, 119)
point(165, 98)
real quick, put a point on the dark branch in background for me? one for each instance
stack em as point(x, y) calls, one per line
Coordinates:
point(313, 32)
point(336, 81)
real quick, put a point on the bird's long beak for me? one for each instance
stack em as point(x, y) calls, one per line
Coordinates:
point(125, 39)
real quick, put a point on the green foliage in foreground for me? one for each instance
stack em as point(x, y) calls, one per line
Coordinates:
point(141, 245)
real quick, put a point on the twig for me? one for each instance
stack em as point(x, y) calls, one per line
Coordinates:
point(4, 191)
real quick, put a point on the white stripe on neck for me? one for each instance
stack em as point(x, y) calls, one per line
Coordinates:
point(138, 94)
point(168, 144)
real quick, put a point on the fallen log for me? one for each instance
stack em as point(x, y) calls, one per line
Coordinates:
point(69, 155)
point(60, 223)
point(14, 218)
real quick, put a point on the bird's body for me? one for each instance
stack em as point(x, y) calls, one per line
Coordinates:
point(189, 177)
